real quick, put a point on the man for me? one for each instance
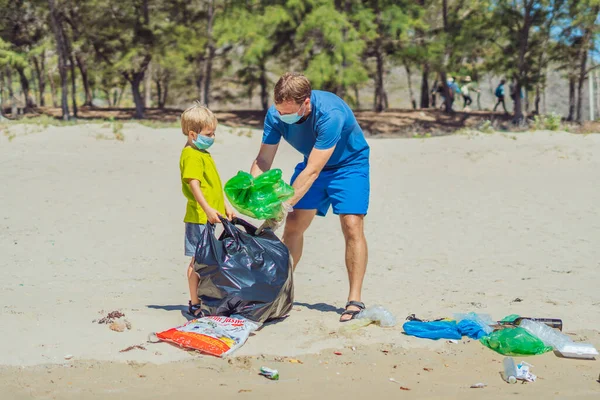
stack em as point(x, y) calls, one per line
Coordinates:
point(500, 96)
point(335, 170)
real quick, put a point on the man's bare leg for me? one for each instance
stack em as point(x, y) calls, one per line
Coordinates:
point(356, 256)
point(296, 224)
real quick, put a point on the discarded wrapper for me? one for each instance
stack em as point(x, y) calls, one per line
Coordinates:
point(523, 372)
point(269, 373)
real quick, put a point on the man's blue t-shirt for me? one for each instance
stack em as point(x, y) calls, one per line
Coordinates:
point(330, 123)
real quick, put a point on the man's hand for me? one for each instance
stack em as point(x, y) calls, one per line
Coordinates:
point(213, 216)
point(229, 212)
point(275, 223)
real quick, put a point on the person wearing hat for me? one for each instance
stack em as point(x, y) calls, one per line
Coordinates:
point(466, 92)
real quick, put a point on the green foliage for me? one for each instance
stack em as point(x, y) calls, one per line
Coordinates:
point(339, 44)
point(550, 122)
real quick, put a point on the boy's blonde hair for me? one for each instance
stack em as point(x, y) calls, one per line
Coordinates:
point(292, 86)
point(196, 118)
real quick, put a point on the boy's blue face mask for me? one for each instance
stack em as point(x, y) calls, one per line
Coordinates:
point(293, 118)
point(203, 142)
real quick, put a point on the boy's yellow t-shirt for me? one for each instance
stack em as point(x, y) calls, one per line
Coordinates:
point(199, 165)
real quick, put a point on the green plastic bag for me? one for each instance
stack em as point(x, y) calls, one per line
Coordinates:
point(514, 341)
point(259, 197)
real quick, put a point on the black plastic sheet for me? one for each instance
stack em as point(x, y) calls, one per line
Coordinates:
point(244, 273)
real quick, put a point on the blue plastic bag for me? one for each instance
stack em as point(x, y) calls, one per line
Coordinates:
point(433, 329)
point(471, 329)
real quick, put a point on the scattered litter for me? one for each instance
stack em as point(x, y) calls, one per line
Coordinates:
point(514, 341)
point(395, 381)
point(404, 388)
point(127, 324)
point(141, 376)
point(517, 300)
point(68, 356)
point(478, 386)
point(337, 353)
point(353, 348)
point(428, 369)
point(269, 373)
point(379, 315)
point(111, 317)
point(117, 326)
point(559, 341)
point(523, 372)
point(244, 390)
point(137, 346)
point(217, 336)
point(294, 361)
point(152, 338)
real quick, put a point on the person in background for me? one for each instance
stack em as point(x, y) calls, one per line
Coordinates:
point(466, 90)
point(499, 92)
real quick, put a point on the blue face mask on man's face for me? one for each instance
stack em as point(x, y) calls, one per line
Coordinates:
point(203, 142)
point(293, 118)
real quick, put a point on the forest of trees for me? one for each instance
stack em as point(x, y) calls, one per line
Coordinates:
point(229, 50)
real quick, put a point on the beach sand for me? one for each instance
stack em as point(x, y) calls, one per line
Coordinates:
point(490, 223)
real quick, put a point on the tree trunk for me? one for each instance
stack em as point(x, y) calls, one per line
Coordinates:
point(84, 79)
point(357, 97)
point(62, 57)
point(538, 97)
point(73, 86)
point(148, 87)
point(52, 88)
point(135, 81)
point(108, 96)
point(379, 105)
point(1, 95)
point(522, 63)
point(425, 86)
point(40, 71)
point(159, 93)
point(583, 56)
point(264, 94)
point(11, 93)
point(29, 103)
point(165, 92)
point(119, 95)
point(571, 98)
point(448, 94)
point(413, 101)
point(210, 54)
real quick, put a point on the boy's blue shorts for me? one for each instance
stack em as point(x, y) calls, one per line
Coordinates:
point(346, 189)
point(193, 234)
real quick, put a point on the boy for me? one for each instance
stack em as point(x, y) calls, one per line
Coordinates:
point(201, 186)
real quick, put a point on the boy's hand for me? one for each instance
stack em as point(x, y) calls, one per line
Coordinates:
point(229, 212)
point(213, 216)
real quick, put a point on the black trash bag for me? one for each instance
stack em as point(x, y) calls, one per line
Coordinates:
point(242, 273)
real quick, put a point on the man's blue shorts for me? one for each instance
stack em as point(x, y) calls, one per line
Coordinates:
point(346, 189)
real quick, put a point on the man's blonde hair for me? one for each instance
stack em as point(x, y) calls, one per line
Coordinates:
point(196, 118)
point(292, 86)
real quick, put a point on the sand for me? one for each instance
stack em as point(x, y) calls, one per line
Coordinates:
point(491, 223)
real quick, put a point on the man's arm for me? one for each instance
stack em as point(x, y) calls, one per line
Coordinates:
point(316, 161)
point(264, 159)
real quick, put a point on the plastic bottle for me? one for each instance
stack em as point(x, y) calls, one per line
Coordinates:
point(510, 371)
point(549, 336)
point(559, 341)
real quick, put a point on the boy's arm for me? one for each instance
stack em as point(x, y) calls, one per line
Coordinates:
point(211, 214)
